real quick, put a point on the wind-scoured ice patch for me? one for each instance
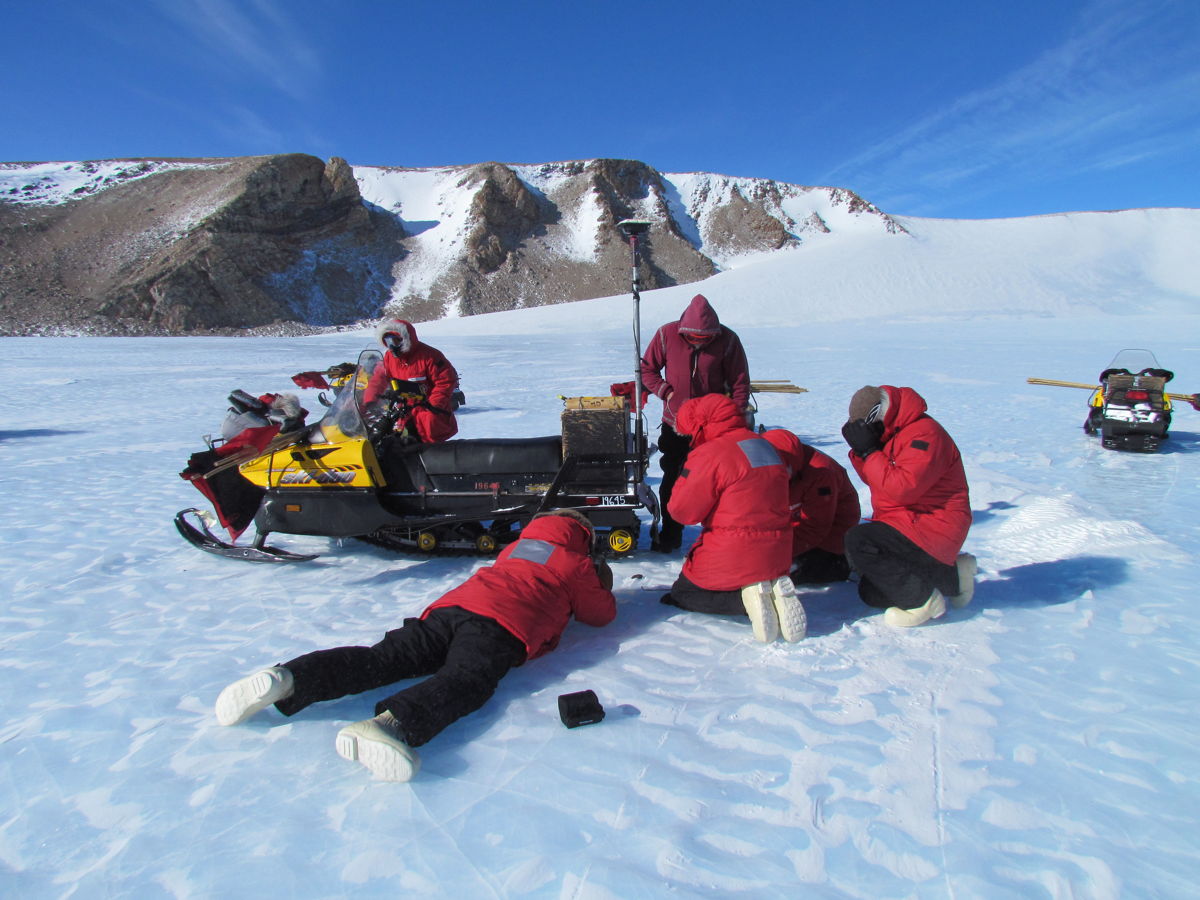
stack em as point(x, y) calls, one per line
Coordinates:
point(1053, 528)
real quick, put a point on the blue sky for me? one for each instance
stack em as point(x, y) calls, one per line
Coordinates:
point(938, 108)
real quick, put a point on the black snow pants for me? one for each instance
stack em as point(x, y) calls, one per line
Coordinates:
point(673, 451)
point(464, 654)
point(817, 566)
point(893, 571)
point(690, 596)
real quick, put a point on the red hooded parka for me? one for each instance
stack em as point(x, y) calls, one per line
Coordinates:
point(736, 486)
point(536, 584)
point(719, 367)
point(426, 366)
point(824, 502)
point(917, 481)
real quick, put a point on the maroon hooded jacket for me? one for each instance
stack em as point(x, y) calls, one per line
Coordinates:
point(736, 486)
point(823, 500)
point(426, 366)
point(917, 481)
point(536, 584)
point(719, 367)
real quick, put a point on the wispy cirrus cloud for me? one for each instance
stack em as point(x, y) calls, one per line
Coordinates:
point(257, 37)
point(1123, 88)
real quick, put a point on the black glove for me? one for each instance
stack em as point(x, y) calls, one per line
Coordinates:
point(604, 573)
point(863, 438)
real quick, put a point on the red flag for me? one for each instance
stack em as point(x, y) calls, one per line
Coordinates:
point(310, 380)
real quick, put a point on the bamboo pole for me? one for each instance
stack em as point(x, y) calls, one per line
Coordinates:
point(778, 386)
point(1186, 398)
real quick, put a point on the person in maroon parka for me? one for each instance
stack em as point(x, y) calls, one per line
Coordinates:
point(425, 368)
point(907, 554)
point(735, 486)
point(694, 356)
point(824, 506)
point(504, 614)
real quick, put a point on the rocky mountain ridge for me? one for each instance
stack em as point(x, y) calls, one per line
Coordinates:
point(293, 243)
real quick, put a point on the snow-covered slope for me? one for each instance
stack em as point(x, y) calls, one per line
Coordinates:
point(60, 182)
point(1123, 263)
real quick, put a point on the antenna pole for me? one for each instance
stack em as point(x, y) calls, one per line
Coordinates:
point(631, 228)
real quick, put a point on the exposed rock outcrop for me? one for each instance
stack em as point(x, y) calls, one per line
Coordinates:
point(205, 248)
point(290, 241)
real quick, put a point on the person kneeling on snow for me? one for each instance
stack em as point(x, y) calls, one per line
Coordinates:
point(504, 614)
point(735, 485)
point(907, 554)
point(427, 370)
point(824, 505)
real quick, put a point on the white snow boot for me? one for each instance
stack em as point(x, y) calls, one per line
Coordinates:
point(934, 608)
point(793, 623)
point(376, 743)
point(967, 567)
point(760, 607)
point(256, 692)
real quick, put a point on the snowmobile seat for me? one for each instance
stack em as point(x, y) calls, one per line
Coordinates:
point(494, 456)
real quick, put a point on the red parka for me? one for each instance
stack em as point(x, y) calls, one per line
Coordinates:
point(719, 367)
point(823, 499)
point(536, 584)
point(736, 486)
point(917, 481)
point(427, 367)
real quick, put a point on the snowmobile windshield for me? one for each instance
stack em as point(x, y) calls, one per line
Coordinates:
point(344, 418)
point(1134, 361)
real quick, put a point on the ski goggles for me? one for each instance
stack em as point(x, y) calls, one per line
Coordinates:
point(396, 342)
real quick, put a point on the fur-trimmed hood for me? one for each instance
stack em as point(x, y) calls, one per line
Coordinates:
point(405, 329)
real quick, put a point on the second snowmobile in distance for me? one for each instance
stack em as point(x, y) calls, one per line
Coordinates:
point(1130, 408)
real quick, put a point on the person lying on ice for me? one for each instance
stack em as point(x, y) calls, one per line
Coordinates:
point(503, 615)
point(824, 505)
point(907, 554)
point(407, 359)
point(735, 485)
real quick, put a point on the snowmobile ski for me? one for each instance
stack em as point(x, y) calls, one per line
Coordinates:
point(204, 539)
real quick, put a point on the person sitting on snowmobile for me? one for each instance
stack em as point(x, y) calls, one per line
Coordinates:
point(907, 554)
point(824, 505)
point(736, 486)
point(427, 371)
point(694, 356)
point(503, 615)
